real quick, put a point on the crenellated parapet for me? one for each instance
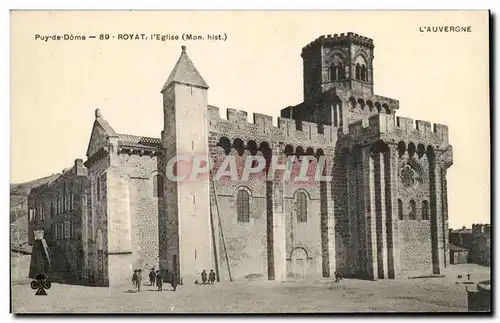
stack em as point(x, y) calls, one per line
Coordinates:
point(389, 128)
point(262, 127)
point(338, 39)
point(481, 228)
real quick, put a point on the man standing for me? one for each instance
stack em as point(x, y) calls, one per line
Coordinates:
point(152, 277)
point(211, 277)
point(338, 277)
point(134, 279)
point(139, 279)
point(174, 280)
point(159, 281)
point(204, 277)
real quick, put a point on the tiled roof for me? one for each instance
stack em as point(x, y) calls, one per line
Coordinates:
point(185, 72)
point(131, 140)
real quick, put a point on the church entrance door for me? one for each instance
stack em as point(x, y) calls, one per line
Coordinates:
point(299, 260)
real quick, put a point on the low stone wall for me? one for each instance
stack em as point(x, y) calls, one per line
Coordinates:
point(479, 300)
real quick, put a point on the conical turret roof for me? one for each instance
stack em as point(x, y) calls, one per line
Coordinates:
point(185, 72)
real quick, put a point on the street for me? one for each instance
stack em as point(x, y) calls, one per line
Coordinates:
point(440, 294)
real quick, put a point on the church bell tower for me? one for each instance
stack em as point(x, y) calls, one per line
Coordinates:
point(343, 61)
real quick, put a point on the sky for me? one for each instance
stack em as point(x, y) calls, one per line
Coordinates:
point(57, 85)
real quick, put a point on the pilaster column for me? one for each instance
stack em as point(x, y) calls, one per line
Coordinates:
point(444, 208)
point(380, 209)
point(369, 199)
point(393, 245)
point(358, 204)
point(436, 213)
point(278, 223)
point(352, 212)
point(327, 218)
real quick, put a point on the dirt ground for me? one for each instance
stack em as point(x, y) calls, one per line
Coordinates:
point(440, 294)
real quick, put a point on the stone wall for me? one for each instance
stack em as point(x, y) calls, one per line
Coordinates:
point(270, 239)
point(97, 244)
point(135, 218)
point(244, 242)
point(415, 248)
point(304, 235)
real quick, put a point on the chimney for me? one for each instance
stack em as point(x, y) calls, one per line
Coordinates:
point(79, 168)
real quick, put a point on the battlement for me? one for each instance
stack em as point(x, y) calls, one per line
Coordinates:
point(400, 128)
point(336, 38)
point(262, 124)
point(481, 228)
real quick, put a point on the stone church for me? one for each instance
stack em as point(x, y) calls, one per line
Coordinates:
point(384, 214)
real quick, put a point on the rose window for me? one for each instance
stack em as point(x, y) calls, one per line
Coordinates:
point(411, 174)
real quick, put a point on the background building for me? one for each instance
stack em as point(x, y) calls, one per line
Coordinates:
point(476, 240)
point(55, 215)
point(458, 255)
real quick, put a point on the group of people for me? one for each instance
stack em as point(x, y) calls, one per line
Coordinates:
point(155, 279)
point(211, 277)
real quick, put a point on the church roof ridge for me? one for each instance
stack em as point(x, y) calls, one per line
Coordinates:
point(104, 124)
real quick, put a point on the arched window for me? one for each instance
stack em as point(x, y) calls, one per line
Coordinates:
point(243, 206)
point(425, 210)
point(301, 207)
point(400, 209)
point(361, 64)
point(341, 72)
point(363, 73)
point(337, 72)
point(413, 210)
point(333, 73)
point(158, 189)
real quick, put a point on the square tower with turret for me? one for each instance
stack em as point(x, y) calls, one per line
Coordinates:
point(343, 61)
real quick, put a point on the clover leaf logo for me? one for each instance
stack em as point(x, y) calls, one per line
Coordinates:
point(40, 284)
